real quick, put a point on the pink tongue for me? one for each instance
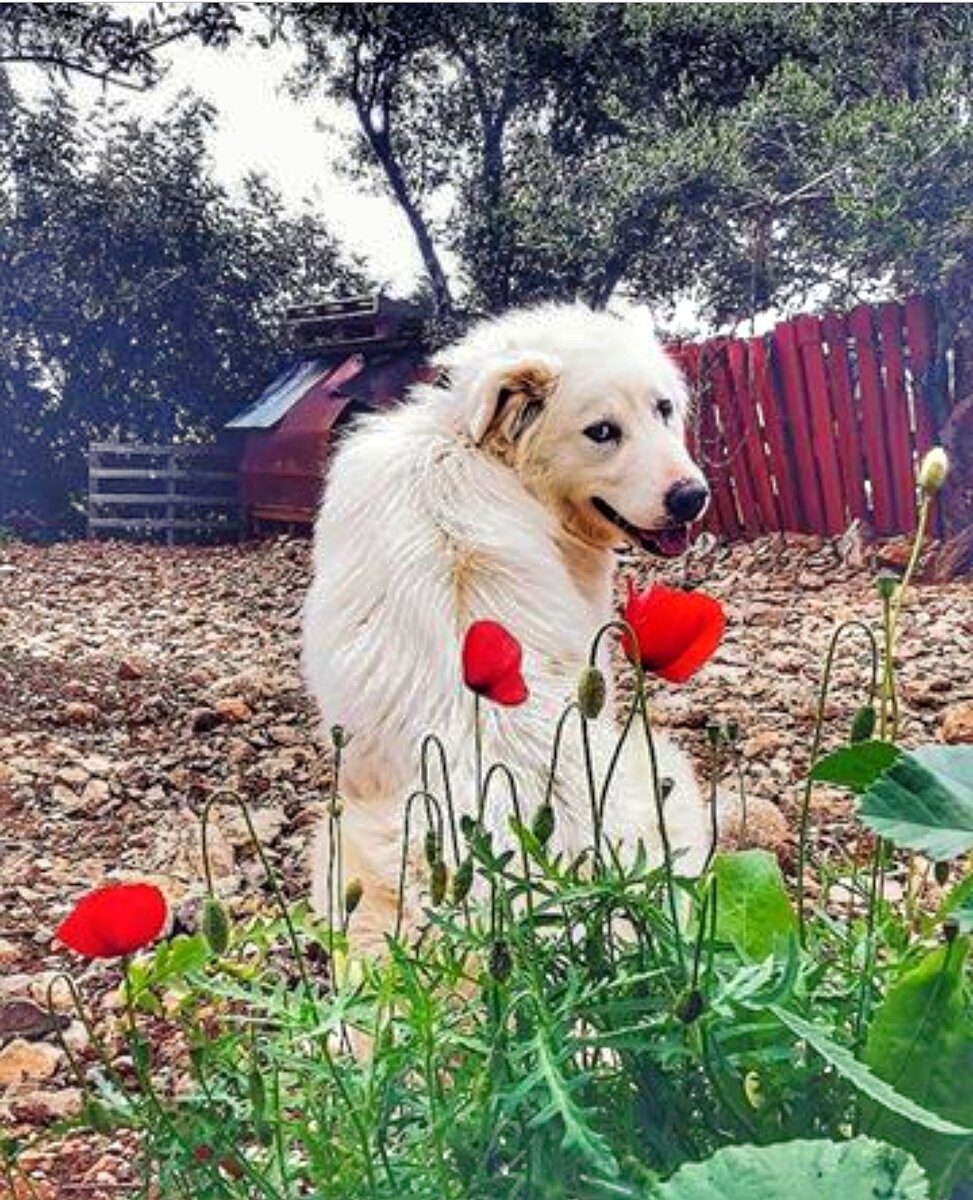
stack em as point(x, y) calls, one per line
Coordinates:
point(671, 542)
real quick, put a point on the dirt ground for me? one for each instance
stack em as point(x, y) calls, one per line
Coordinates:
point(135, 681)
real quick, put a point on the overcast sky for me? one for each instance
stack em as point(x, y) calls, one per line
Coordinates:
point(261, 128)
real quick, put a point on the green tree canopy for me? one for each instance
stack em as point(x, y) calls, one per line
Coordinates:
point(752, 155)
point(137, 298)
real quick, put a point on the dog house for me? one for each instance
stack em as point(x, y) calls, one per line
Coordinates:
point(357, 356)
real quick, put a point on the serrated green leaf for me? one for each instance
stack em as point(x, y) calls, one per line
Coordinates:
point(921, 1042)
point(924, 802)
point(861, 1077)
point(856, 767)
point(801, 1170)
point(752, 907)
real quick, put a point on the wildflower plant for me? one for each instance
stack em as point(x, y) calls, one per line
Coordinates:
point(595, 1027)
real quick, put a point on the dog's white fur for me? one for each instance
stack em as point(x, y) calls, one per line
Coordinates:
point(472, 500)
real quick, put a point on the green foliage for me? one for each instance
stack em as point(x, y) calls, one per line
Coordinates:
point(921, 1041)
point(924, 802)
point(857, 1170)
point(856, 767)
point(755, 155)
point(752, 908)
point(137, 300)
point(922, 799)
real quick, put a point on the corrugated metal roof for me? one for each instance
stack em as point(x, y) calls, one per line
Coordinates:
point(279, 398)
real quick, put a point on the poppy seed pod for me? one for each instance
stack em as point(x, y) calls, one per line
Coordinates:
point(353, 895)
point(542, 827)
point(501, 963)
point(940, 872)
point(437, 882)
point(215, 924)
point(886, 582)
point(462, 881)
point(591, 693)
point(690, 1006)
point(933, 470)
point(863, 724)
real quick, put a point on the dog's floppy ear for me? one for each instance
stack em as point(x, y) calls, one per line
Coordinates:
point(510, 395)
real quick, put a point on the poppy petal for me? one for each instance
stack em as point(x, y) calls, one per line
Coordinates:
point(675, 631)
point(491, 663)
point(114, 920)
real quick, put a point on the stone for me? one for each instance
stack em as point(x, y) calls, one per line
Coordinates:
point(96, 793)
point(21, 1061)
point(233, 709)
point(41, 1107)
point(80, 712)
point(130, 669)
point(957, 724)
point(766, 826)
point(204, 720)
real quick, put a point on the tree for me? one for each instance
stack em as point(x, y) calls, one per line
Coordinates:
point(97, 41)
point(136, 298)
point(751, 154)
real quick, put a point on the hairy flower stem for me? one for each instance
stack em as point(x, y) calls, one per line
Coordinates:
point(429, 742)
point(805, 814)
point(503, 770)
point(432, 807)
point(893, 614)
point(328, 1058)
point(478, 757)
point(667, 858)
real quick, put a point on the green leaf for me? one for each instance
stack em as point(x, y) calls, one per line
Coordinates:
point(861, 1077)
point(921, 1042)
point(856, 767)
point(801, 1170)
point(752, 908)
point(924, 802)
point(959, 905)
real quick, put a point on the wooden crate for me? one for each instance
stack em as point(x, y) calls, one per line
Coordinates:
point(167, 491)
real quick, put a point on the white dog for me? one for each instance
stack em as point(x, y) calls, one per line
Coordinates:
point(500, 494)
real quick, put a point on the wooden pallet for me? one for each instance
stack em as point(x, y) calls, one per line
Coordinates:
point(165, 491)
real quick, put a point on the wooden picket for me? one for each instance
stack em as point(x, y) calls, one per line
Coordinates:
point(821, 422)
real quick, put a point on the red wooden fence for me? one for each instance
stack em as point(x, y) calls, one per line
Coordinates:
point(822, 421)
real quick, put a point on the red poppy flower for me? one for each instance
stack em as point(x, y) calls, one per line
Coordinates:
point(114, 920)
point(676, 631)
point(491, 663)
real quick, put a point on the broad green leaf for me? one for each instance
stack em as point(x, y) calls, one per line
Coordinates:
point(921, 1042)
point(862, 1169)
point(752, 907)
point(924, 802)
point(856, 767)
point(858, 1074)
point(959, 905)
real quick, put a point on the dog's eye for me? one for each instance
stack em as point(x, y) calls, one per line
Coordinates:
point(665, 409)
point(604, 431)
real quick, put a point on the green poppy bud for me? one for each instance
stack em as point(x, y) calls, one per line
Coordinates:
point(432, 848)
point(941, 872)
point(542, 826)
point(933, 470)
point(714, 733)
point(438, 879)
point(501, 963)
point(752, 1090)
point(689, 1006)
point(338, 738)
point(462, 881)
point(732, 731)
point(863, 724)
point(215, 925)
point(886, 582)
point(467, 826)
point(353, 895)
point(950, 931)
point(258, 1093)
point(591, 693)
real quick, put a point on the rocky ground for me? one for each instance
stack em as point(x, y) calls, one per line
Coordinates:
point(136, 681)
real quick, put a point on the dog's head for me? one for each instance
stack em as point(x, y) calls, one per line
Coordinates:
point(589, 411)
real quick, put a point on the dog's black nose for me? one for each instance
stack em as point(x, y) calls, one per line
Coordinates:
point(686, 499)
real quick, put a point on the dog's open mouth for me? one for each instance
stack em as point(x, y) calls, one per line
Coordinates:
point(668, 542)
